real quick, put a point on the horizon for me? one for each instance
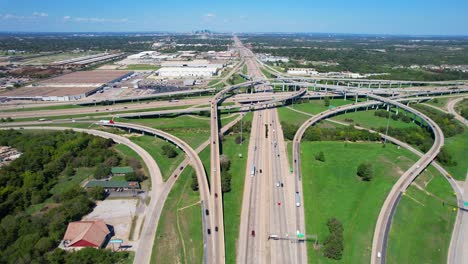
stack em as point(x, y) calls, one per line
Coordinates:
point(332, 34)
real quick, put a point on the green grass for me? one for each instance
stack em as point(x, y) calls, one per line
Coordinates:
point(180, 228)
point(232, 201)
point(291, 117)
point(334, 190)
point(126, 151)
point(457, 146)
point(236, 79)
point(50, 107)
point(66, 183)
point(142, 67)
point(439, 102)
point(212, 82)
point(317, 106)
point(421, 230)
point(194, 131)
point(369, 120)
point(153, 146)
point(244, 69)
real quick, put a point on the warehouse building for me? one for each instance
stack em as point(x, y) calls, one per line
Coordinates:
point(67, 87)
point(187, 71)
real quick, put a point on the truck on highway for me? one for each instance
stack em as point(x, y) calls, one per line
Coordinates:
point(298, 199)
point(252, 171)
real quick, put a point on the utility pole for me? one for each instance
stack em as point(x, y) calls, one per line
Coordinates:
point(388, 123)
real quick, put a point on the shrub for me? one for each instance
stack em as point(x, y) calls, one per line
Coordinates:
point(320, 156)
point(365, 171)
point(333, 245)
point(169, 151)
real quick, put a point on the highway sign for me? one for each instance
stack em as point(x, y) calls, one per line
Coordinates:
point(116, 241)
point(465, 204)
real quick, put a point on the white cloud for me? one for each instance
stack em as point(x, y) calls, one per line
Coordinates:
point(67, 17)
point(40, 14)
point(10, 16)
point(100, 20)
point(210, 15)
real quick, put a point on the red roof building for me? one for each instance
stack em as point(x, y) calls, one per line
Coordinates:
point(92, 233)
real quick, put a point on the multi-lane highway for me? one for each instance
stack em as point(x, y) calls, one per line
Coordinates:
point(272, 210)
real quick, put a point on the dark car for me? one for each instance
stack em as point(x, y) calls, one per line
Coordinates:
point(253, 233)
point(207, 212)
point(181, 167)
point(209, 231)
point(216, 228)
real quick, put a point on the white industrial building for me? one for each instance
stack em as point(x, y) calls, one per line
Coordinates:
point(193, 63)
point(146, 57)
point(302, 71)
point(187, 71)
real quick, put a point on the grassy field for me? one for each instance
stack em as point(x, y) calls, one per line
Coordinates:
point(439, 102)
point(317, 106)
point(194, 131)
point(153, 146)
point(369, 120)
point(179, 237)
point(291, 117)
point(244, 70)
point(128, 152)
point(423, 224)
point(457, 146)
point(236, 79)
point(142, 67)
point(232, 201)
point(51, 107)
point(334, 190)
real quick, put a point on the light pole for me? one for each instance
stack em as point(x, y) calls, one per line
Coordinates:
point(388, 123)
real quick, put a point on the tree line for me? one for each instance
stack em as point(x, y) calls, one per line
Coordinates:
point(28, 181)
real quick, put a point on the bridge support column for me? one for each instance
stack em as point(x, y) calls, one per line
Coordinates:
point(356, 98)
point(345, 96)
point(380, 84)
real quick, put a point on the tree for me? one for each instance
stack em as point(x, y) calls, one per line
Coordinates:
point(169, 151)
point(320, 156)
point(194, 184)
point(226, 181)
point(69, 171)
point(326, 101)
point(225, 163)
point(102, 171)
point(333, 245)
point(239, 140)
point(97, 193)
point(445, 158)
point(365, 171)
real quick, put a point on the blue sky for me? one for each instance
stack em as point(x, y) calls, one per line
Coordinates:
point(421, 17)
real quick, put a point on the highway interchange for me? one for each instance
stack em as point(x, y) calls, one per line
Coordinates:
point(272, 204)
